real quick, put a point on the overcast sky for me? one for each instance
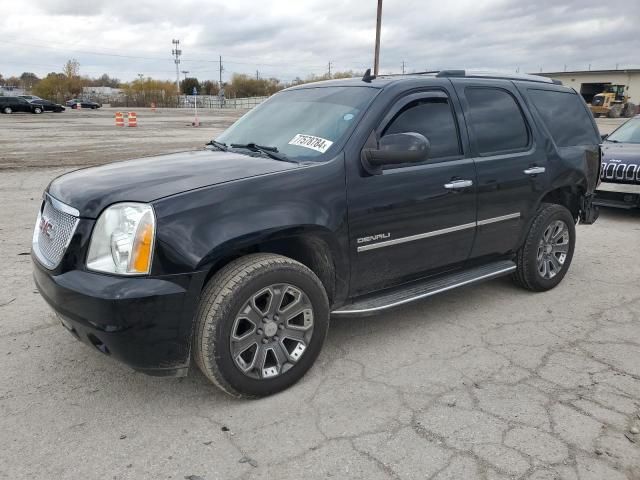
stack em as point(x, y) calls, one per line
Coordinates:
point(286, 39)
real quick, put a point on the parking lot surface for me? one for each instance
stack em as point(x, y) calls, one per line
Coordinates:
point(487, 382)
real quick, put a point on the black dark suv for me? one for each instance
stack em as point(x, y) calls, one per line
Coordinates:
point(17, 104)
point(335, 198)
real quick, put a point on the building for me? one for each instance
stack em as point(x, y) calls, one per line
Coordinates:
point(9, 91)
point(105, 91)
point(591, 82)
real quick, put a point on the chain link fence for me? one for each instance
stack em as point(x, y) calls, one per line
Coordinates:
point(160, 100)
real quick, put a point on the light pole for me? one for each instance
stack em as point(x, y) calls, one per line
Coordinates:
point(376, 61)
point(176, 52)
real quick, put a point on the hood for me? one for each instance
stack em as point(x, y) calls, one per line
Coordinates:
point(625, 152)
point(620, 162)
point(92, 189)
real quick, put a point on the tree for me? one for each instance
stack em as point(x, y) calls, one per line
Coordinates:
point(28, 80)
point(55, 86)
point(210, 88)
point(242, 85)
point(71, 68)
point(186, 86)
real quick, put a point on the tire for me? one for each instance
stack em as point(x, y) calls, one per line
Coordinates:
point(228, 310)
point(7, 110)
point(93, 107)
point(536, 269)
point(37, 111)
point(629, 110)
point(615, 111)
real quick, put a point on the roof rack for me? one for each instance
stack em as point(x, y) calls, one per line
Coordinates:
point(496, 74)
point(470, 74)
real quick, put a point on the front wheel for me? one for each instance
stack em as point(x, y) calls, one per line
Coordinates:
point(7, 110)
point(547, 252)
point(260, 325)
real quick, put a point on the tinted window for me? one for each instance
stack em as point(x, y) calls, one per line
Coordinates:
point(433, 118)
point(565, 117)
point(496, 120)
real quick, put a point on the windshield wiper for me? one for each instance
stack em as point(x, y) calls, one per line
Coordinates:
point(271, 152)
point(612, 141)
point(219, 145)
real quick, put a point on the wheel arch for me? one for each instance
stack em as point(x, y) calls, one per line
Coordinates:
point(566, 195)
point(314, 247)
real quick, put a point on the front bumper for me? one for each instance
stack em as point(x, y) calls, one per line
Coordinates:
point(143, 322)
point(619, 195)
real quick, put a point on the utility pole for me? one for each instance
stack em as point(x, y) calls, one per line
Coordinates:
point(185, 72)
point(329, 69)
point(403, 67)
point(257, 75)
point(176, 52)
point(221, 70)
point(376, 60)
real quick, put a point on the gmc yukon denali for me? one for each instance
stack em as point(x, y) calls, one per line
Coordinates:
point(344, 197)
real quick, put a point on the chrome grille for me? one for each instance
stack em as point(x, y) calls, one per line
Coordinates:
point(53, 232)
point(619, 172)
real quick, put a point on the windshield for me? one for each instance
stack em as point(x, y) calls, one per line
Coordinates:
point(303, 124)
point(627, 133)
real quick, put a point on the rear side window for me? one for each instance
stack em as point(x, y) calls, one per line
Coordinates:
point(496, 120)
point(433, 118)
point(565, 117)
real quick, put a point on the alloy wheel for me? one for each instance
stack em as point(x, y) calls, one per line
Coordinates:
point(272, 331)
point(552, 249)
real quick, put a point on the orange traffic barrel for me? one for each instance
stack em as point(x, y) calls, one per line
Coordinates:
point(132, 117)
point(119, 119)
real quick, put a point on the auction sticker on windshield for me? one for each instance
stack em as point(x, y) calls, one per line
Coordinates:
point(318, 144)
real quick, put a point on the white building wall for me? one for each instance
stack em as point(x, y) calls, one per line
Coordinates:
point(621, 77)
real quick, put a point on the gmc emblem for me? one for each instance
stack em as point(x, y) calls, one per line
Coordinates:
point(46, 228)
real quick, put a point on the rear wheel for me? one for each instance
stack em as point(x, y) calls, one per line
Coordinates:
point(7, 110)
point(37, 110)
point(630, 110)
point(260, 325)
point(547, 252)
point(615, 111)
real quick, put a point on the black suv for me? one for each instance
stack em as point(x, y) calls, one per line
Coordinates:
point(335, 198)
point(17, 104)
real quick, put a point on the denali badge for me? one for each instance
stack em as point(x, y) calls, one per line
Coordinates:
point(46, 228)
point(379, 236)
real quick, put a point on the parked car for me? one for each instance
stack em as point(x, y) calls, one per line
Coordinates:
point(48, 106)
point(17, 104)
point(74, 102)
point(344, 197)
point(620, 172)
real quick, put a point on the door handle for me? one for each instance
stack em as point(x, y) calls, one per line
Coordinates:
point(534, 170)
point(458, 184)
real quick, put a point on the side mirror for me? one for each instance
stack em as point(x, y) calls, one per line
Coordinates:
point(604, 137)
point(396, 149)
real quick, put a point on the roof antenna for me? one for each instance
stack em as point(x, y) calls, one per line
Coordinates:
point(367, 77)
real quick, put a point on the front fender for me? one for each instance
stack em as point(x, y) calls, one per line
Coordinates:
point(198, 228)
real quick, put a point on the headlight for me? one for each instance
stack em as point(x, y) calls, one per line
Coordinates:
point(122, 240)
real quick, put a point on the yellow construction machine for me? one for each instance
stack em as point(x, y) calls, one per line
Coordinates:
point(613, 102)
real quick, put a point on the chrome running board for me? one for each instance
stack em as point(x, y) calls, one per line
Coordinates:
point(425, 288)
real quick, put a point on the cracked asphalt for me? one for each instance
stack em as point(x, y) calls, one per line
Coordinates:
point(487, 382)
